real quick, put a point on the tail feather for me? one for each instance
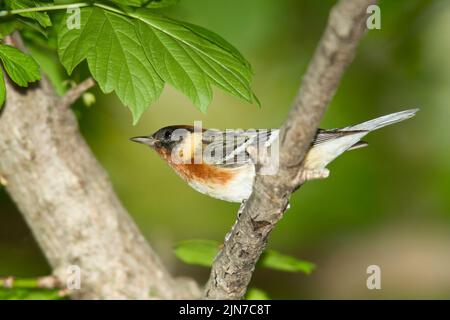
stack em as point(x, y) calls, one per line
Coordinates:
point(383, 121)
point(329, 144)
point(359, 144)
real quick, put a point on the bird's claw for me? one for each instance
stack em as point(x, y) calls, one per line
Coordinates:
point(315, 174)
point(310, 174)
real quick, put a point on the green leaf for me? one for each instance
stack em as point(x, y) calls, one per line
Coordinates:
point(190, 62)
point(256, 294)
point(2, 88)
point(217, 40)
point(63, 1)
point(132, 3)
point(31, 25)
point(274, 260)
point(197, 252)
point(115, 57)
point(203, 252)
point(134, 54)
point(20, 67)
point(146, 3)
point(29, 294)
point(7, 27)
point(19, 23)
point(176, 64)
point(161, 3)
point(41, 17)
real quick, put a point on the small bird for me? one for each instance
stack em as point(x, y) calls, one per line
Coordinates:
point(227, 170)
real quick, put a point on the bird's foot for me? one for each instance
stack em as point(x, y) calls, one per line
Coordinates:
point(310, 174)
point(315, 174)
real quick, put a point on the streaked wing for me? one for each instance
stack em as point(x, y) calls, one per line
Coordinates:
point(229, 148)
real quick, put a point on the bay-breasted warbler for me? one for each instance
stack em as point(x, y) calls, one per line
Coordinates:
point(218, 163)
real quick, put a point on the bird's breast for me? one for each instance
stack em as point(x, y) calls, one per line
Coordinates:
point(204, 173)
point(232, 184)
point(229, 184)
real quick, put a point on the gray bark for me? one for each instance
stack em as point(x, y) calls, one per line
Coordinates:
point(234, 265)
point(69, 203)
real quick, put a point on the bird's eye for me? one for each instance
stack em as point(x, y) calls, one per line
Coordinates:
point(167, 135)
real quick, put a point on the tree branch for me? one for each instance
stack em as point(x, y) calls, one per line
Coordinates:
point(76, 92)
point(69, 203)
point(234, 265)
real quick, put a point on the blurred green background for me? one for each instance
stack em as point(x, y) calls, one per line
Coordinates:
point(388, 204)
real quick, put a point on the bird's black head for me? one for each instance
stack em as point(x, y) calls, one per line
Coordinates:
point(165, 137)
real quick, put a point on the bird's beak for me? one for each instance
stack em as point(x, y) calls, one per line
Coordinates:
point(148, 140)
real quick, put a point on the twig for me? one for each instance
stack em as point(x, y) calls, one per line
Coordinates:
point(47, 282)
point(76, 92)
point(234, 266)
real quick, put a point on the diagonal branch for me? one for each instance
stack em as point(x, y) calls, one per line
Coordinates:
point(234, 265)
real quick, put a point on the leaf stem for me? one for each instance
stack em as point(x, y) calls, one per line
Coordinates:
point(5, 13)
point(106, 7)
